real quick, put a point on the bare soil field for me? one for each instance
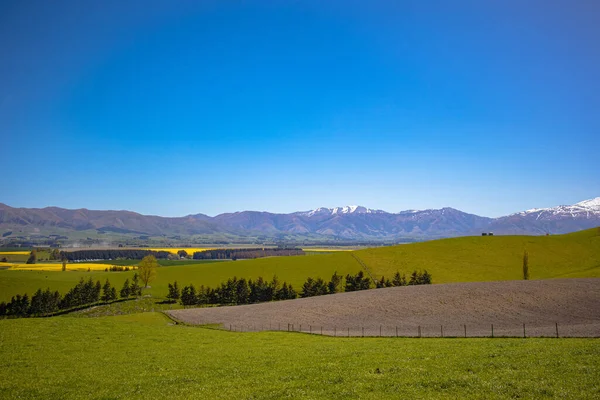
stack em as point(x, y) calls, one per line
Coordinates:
point(570, 307)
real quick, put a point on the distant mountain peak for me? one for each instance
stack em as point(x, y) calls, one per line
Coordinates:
point(593, 204)
point(586, 207)
point(342, 210)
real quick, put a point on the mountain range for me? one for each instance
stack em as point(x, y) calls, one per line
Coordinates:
point(339, 223)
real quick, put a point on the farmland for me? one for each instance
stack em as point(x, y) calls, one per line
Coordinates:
point(567, 307)
point(91, 354)
point(145, 356)
point(465, 259)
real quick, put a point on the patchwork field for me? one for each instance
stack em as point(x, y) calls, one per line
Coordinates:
point(454, 309)
point(144, 356)
point(465, 259)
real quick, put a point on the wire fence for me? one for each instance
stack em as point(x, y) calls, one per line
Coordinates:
point(500, 330)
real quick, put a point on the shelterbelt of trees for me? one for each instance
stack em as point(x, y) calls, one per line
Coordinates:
point(241, 291)
point(215, 254)
point(84, 294)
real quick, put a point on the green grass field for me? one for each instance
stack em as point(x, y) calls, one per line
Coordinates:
point(449, 260)
point(492, 258)
point(143, 356)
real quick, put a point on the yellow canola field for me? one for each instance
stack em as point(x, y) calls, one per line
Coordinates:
point(174, 250)
point(15, 253)
point(56, 266)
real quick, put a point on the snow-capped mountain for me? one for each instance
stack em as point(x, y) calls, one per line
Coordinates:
point(341, 210)
point(587, 207)
point(559, 219)
point(348, 223)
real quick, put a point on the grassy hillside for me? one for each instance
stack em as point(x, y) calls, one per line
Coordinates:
point(143, 356)
point(492, 258)
point(462, 259)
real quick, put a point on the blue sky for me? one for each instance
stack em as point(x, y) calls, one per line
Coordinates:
point(173, 108)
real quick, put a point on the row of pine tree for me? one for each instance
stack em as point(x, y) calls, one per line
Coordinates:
point(85, 293)
point(241, 291)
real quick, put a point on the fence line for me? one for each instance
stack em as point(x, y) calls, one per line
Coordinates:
point(362, 264)
point(496, 330)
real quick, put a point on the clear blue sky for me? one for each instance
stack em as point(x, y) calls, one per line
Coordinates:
point(174, 107)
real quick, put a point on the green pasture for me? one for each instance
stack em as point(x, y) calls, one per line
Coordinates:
point(144, 356)
point(492, 258)
point(489, 258)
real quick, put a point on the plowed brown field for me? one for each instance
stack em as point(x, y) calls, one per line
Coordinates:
point(431, 310)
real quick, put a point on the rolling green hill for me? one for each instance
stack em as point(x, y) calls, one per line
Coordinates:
point(492, 258)
point(463, 259)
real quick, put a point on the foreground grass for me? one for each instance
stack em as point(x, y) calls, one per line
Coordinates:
point(465, 259)
point(144, 356)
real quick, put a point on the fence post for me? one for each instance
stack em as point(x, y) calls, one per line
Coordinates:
point(524, 335)
point(396, 331)
point(492, 330)
point(334, 331)
point(465, 330)
point(300, 329)
point(419, 330)
point(442, 330)
point(363, 331)
point(556, 329)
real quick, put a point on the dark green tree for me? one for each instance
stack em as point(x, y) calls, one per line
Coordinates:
point(107, 292)
point(174, 293)
point(425, 278)
point(399, 280)
point(135, 289)
point(188, 296)
point(125, 290)
point(37, 304)
point(335, 283)
point(32, 257)
point(357, 282)
point(96, 293)
point(286, 292)
point(314, 287)
point(18, 306)
point(242, 292)
point(415, 278)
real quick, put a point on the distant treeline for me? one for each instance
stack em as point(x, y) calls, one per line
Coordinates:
point(233, 254)
point(241, 291)
point(85, 293)
point(137, 254)
point(111, 254)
